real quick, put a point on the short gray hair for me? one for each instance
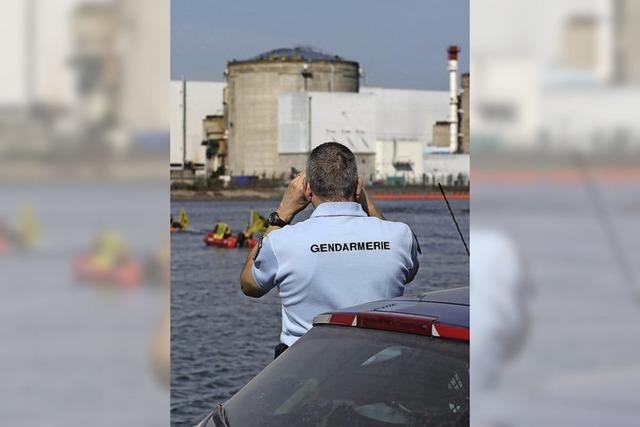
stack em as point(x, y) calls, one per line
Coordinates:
point(332, 171)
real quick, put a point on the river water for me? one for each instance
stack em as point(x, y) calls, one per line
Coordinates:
point(220, 338)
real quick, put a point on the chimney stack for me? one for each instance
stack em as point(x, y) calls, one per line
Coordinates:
point(453, 98)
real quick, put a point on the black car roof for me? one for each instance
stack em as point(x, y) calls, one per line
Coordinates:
point(447, 296)
point(449, 306)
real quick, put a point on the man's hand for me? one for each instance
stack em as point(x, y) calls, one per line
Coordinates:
point(367, 204)
point(294, 199)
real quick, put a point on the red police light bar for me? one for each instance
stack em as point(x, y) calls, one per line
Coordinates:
point(450, 331)
point(343, 319)
point(395, 322)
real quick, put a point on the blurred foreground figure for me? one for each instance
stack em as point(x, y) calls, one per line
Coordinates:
point(160, 348)
point(78, 139)
point(500, 317)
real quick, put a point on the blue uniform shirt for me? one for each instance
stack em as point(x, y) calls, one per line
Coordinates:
point(339, 257)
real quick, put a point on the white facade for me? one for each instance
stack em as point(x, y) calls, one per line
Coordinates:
point(405, 120)
point(202, 99)
point(441, 166)
point(408, 115)
point(389, 154)
point(308, 119)
point(396, 125)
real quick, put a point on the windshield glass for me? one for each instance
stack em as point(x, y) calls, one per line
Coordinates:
point(340, 376)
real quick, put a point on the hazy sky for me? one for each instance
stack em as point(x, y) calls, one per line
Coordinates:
point(400, 44)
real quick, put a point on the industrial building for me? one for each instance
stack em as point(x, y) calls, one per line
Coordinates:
point(308, 119)
point(454, 132)
point(442, 128)
point(404, 120)
point(78, 74)
point(278, 106)
point(387, 129)
point(254, 86)
point(576, 94)
point(193, 105)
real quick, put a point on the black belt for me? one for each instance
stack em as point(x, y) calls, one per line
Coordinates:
point(280, 348)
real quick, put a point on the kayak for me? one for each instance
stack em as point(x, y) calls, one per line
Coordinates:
point(228, 243)
point(126, 276)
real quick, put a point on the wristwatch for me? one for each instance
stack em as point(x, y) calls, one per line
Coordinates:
point(274, 219)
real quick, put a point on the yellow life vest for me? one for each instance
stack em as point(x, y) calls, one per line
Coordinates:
point(183, 219)
point(221, 229)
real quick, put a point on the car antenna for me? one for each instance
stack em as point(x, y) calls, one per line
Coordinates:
point(454, 218)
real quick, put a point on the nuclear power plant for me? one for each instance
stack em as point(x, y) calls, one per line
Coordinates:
point(277, 106)
point(253, 88)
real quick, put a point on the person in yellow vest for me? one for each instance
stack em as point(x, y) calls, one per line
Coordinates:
point(244, 235)
point(182, 223)
point(183, 219)
point(221, 231)
point(257, 225)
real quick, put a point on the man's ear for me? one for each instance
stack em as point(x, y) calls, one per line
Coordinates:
point(308, 194)
point(358, 188)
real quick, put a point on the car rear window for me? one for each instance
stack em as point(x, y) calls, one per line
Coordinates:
point(341, 376)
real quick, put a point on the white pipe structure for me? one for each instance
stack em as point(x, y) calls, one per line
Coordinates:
point(453, 98)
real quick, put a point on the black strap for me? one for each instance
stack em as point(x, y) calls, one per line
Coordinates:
point(417, 243)
point(259, 247)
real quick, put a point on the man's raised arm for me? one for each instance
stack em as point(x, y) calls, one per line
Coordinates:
point(293, 201)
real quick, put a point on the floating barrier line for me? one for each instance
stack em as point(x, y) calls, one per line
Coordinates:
point(419, 196)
